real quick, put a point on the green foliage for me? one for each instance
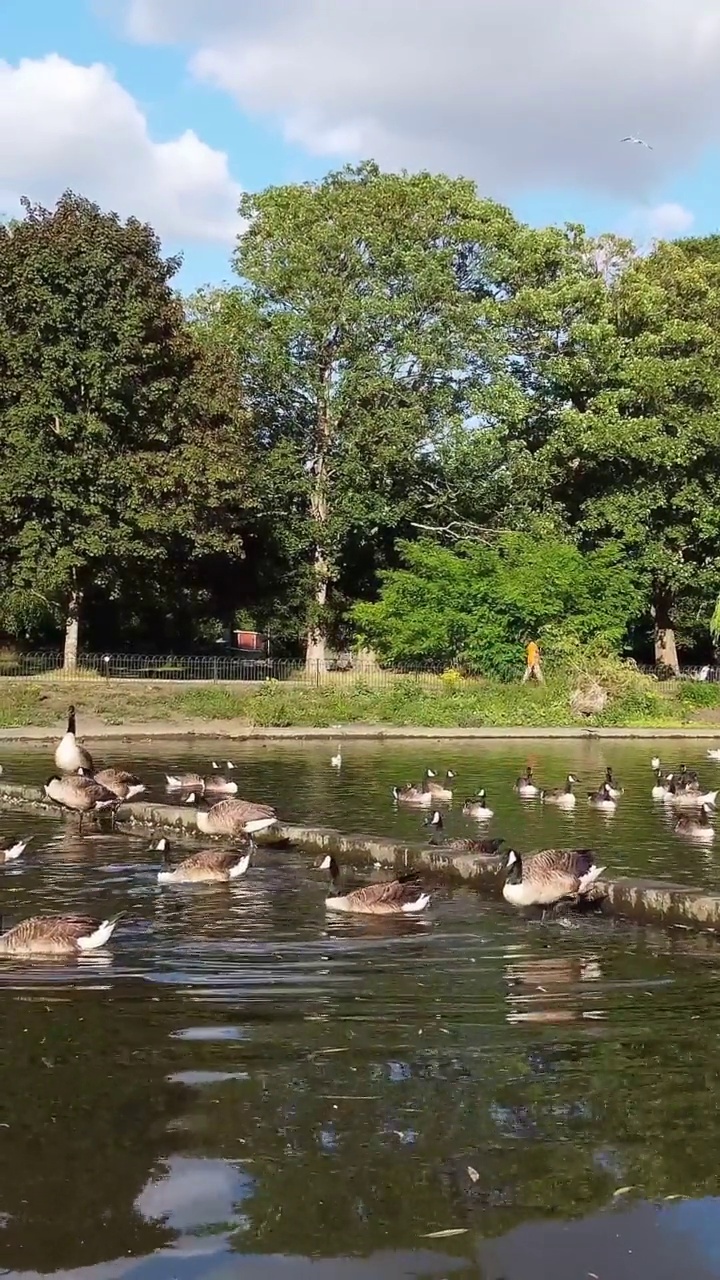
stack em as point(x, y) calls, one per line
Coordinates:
point(399, 359)
point(699, 694)
point(625, 429)
point(480, 605)
point(366, 326)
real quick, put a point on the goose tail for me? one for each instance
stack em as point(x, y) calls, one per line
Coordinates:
point(589, 878)
point(240, 867)
point(259, 824)
point(16, 850)
point(101, 935)
point(411, 908)
point(137, 789)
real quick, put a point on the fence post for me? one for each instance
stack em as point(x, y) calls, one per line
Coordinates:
point(215, 669)
point(317, 673)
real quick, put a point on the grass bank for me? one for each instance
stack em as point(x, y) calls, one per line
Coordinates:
point(636, 702)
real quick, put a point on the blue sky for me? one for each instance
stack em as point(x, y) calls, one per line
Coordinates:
point(250, 93)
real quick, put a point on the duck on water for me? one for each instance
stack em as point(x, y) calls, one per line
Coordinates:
point(403, 896)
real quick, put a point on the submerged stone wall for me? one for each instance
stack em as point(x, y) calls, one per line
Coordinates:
point(655, 902)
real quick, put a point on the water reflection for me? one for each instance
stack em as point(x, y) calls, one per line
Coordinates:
point(251, 1087)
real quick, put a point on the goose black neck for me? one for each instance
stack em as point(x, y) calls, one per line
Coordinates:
point(71, 720)
point(334, 871)
point(515, 873)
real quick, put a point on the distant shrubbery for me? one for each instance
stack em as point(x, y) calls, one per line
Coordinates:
point(477, 606)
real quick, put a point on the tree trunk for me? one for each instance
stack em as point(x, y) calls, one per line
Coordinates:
point(315, 651)
point(72, 631)
point(665, 646)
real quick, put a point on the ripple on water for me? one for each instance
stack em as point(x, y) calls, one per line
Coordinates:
point(245, 1075)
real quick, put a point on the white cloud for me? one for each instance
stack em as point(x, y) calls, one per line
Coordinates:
point(64, 125)
point(662, 222)
point(519, 94)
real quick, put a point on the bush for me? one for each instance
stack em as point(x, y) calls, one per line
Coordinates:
point(692, 694)
point(479, 606)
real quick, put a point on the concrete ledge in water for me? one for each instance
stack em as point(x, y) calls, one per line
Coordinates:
point(655, 902)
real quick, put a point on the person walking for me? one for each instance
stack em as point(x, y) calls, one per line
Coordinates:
point(533, 668)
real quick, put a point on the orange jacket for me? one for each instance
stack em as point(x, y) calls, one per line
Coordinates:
point(533, 654)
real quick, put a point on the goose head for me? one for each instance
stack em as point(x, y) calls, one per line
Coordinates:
point(435, 820)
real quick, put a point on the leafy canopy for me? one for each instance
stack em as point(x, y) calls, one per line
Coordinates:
point(480, 604)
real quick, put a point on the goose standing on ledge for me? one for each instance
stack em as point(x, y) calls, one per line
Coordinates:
point(403, 896)
point(69, 755)
point(549, 877)
point(122, 784)
point(81, 795)
point(57, 935)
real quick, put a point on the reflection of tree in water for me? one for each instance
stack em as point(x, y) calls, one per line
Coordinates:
point(339, 1084)
point(87, 1104)
point(358, 1129)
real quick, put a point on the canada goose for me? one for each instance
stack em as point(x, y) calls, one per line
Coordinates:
point(550, 876)
point(69, 755)
point(80, 795)
point(409, 794)
point(122, 784)
point(699, 826)
point(229, 817)
point(436, 789)
point(687, 779)
point(11, 852)
point(184, 782)
point(611, 784)
point(462, 844)
point(689, 799)
point(395, 897)
point(218, 785)
point(57, 935)
point(526, 786)
point(478, 808)
point(336, 760)
point(563, 797)
point(713, 753)
point(602, 798)
point(208, 865)
point(660, 788)
point(655, 764)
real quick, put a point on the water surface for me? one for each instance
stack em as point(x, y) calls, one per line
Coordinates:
point(248, 1087)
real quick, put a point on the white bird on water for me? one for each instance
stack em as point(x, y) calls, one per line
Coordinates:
point(336, 761)
point(637, 142)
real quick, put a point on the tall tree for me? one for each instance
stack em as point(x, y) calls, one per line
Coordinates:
point(368, 328)
point(617, 356)
point(93, 353)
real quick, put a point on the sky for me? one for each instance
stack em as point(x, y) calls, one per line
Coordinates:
point(168, 109)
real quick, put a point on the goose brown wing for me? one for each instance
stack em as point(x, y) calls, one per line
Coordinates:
point(569, 863)
point(243, 810)
point(117, 777)
point(51, 929)
point(393, 893)
point(211, 860)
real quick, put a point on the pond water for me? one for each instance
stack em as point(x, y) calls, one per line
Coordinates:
point(250, 1088)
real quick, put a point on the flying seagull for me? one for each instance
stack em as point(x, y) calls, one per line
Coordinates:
point(638, 142)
